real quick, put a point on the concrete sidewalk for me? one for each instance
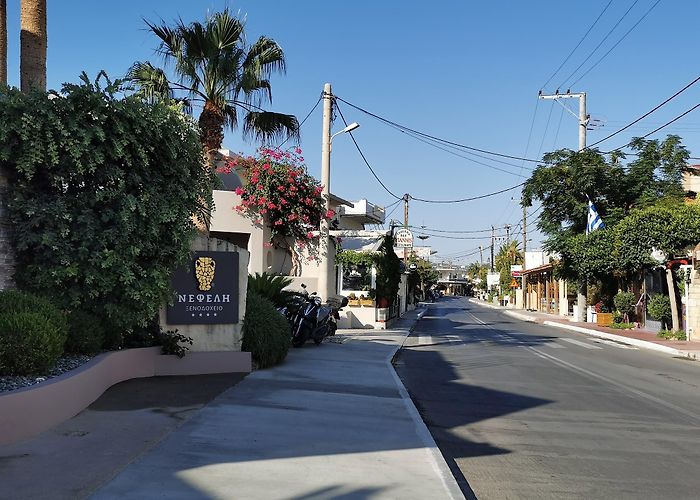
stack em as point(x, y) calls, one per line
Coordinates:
point(637, 337)
point(332, 421)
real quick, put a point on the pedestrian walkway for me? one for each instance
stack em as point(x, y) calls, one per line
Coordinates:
point(636, 337)
point(332, 421)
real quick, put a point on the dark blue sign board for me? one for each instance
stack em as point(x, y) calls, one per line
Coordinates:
point(205, 290)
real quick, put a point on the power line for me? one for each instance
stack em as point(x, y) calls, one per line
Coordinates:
point(365, 159)
point(659, 128)
point(445, 141)
point(598, 46)
point(472, 198)
point(320, 97)
point(648, 113)
point(617, 43)
point(431, 142)
point(577, 45)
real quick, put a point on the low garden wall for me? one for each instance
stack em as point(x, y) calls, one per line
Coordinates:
point(31, 410)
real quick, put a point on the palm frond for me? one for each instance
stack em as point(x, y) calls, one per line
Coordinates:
point(152, 84)
point(268, 126)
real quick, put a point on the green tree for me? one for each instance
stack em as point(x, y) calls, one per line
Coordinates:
point(216, 69)
point(424, 276)
point(564, 184)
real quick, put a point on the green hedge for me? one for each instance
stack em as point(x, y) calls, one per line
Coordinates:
point(266, 333)
point(32, 333)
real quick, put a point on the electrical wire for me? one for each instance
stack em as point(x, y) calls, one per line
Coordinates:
point(598, 46)
point(659, 128)
point(647, 113)
point(364, 158)
point(472, 198)
point(577, 45)
point(445, 141)
point(446, 148)
point(304, 120)
point(617, 43)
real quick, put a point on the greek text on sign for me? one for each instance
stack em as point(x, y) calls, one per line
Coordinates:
point(403, 238)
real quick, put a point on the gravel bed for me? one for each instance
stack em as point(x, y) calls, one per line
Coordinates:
point(63, 365)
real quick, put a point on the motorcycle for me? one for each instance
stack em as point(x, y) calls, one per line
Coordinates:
point(317, 320)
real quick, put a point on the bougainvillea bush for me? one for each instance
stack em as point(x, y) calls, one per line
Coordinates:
point(280, 193)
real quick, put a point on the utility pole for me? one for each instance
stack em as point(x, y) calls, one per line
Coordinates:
point(406, 197)
point(325, 289)
point(523, 277)
point(583, 119)
point(507, 226)
point(481, 254)
point(493, 236)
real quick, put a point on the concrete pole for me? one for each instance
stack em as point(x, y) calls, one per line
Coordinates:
point(582, 125)
point(325, 289)
point(523, 279)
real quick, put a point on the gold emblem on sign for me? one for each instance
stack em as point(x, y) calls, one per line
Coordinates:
point(204, 268)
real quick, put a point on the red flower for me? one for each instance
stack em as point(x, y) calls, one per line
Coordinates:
point(271, 206)
point(278, 222)
point(238, 190)
point(309, 235)
point(330, 214)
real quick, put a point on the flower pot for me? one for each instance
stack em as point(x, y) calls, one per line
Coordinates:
point(382, 302)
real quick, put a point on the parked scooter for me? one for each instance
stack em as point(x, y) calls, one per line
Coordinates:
point(317, 320)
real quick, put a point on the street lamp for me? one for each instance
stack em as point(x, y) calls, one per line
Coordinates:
point(326, 287)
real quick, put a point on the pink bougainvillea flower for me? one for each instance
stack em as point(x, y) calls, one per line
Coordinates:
point(309, 235)
point(271, 206)
point(263, 210)
point(330, 214)
point(280, 188)
point(238, 207)
point(278, 222)
point(238, 190)
point(297, 150)
point(267, 245)
point(283, 202)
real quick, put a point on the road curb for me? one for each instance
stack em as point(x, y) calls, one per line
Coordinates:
point(523, 317)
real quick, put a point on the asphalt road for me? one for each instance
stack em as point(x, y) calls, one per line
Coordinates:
point(521, 410)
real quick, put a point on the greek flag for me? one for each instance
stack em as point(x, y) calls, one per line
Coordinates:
point(594, 220)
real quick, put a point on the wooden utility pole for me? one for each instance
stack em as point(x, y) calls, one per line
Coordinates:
point(406, 197)
point(493, 238)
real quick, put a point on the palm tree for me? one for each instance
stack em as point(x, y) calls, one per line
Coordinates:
point(217, 70)
point(3, 42)
point(33, 41)
point(508, 255)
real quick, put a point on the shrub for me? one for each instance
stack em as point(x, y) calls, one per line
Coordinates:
point(622, 326)
point(86, 333)
point(660, 308)
point(671, 334)
point(174, 343)
point(266, 333)
point(625, 302)
point(32, 333)
point(272, 287)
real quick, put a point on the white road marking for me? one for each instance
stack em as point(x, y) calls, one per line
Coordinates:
point(581, 344)
point(614, 344)
point(641, 394)
point(554, 345)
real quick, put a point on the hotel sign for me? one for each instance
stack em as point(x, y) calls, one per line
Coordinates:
point(206, 290)
point(403, 238)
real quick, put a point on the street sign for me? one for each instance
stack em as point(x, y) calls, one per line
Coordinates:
point(514, 283)
point(516, 270)
point(403, 238)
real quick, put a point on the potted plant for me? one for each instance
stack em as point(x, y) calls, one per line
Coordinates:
point(366, 301)
point(353, 301)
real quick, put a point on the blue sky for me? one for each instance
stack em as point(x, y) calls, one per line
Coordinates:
point(468, 72)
